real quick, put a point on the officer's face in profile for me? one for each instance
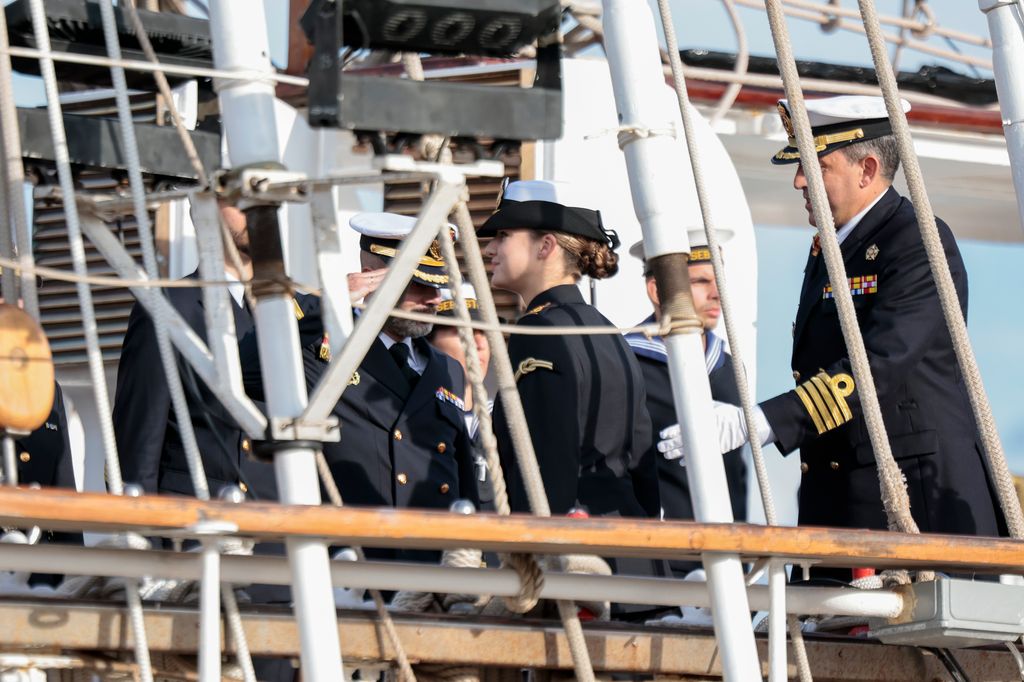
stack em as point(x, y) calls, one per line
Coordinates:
point(513, 256)
point(845, 183)
point(235, 221)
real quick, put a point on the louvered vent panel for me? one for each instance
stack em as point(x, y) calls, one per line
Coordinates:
point(407, 198)
point(58, 301)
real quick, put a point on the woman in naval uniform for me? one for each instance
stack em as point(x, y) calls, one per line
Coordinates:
point(583, 394)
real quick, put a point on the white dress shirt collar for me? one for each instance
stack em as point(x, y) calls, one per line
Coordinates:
point(844, 231)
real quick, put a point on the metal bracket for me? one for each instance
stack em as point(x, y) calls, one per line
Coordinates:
point(405, 163)
point(324, 431)
point(255, 185)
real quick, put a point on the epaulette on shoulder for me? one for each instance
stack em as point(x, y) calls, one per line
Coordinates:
point(534, 311)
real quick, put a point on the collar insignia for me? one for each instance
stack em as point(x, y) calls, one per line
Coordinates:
point(872, 252)
point(354, 381)
point(540, 308)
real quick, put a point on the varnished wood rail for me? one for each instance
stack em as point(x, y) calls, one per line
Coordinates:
point(58, 509)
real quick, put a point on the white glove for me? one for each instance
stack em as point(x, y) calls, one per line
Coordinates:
point(732, 431)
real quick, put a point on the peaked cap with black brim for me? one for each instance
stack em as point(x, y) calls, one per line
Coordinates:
point(546, 206)
point(836, 122)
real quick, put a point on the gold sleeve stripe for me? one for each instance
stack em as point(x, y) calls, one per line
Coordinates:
point(812, 391)
point(811, 409)
point(825, 389)
point(531, 364)
point(843, 387)
point(824, 398)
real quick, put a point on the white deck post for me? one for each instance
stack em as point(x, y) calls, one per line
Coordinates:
point(247, 108)
point(1006, 26)
point(648, 141)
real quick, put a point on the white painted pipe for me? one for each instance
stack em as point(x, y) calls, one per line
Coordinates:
point(240, 44)
point(1006, 26)
point(837, 601)
point(777, 664)
point(209, 613)
point(648, 142)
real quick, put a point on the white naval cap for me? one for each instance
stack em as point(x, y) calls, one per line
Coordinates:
point(446, 306)
point(699, 251)
point(837, 122)
point(382, 233)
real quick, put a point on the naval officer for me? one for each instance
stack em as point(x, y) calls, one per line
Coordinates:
point(145, 426)
point(583, 395)
point(922, 395)
point(403, 434)
point(653, 358)
point(446, 339)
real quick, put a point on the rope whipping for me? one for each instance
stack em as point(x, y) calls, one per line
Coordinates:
point(893, 488)
point(955, 322)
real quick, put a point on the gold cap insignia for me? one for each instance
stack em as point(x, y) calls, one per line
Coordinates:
point(435, 250)
point(787, 123)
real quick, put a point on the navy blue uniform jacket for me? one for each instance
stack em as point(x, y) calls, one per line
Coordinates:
point(400, 446)
point(922, 395)
point(585, 405)
point(44, 457)
point(148, 437)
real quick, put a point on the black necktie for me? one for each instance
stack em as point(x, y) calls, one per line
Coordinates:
point(400, 354)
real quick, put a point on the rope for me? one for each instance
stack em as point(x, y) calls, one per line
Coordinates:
point(131, 151)
point(186, 140)
point(525, 455)
point(742, 61)
point(821, 16)
point(136, 65)
point(405, 672)
point(14, 178)
point(893, 488)
point(739, 367)
point(89, 327)
point(179, 402)
point(531, 577)
point(1008, 500)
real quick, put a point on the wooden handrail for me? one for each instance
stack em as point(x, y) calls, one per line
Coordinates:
point(59, 509)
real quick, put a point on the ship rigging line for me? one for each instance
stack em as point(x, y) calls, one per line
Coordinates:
point(95, 360)
point(209, 653)
point(777, 573)
point(998, 468)
point(895, 500)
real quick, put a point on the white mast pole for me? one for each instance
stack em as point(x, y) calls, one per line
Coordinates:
point(648, 141)
point(240, 44)
point(1006, 26)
